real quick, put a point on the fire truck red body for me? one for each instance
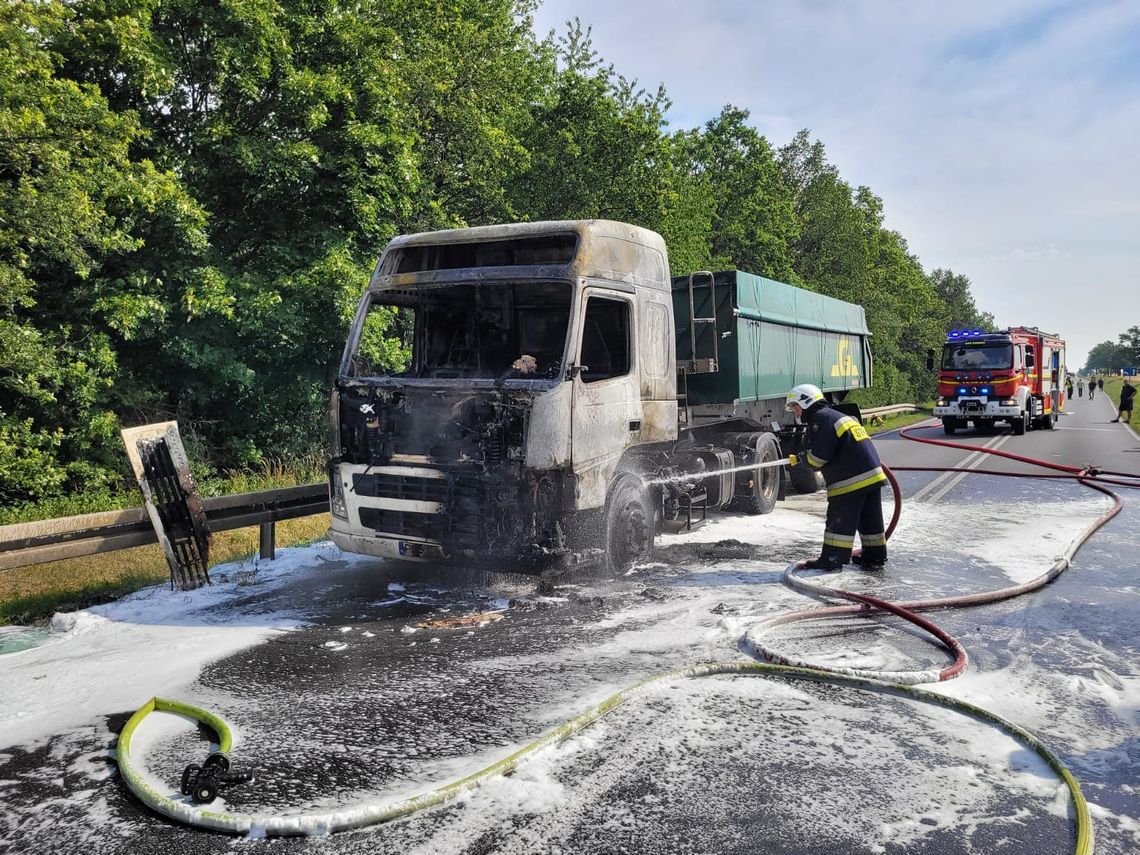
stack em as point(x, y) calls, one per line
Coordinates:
point(1015, 375)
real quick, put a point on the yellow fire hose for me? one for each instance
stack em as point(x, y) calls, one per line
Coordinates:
point(183, 810)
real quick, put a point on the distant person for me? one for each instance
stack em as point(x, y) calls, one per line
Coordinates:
point(1068, 387)
point(1127, 393)
point(1080, 387)
point(1092, 388)
point(1100, 383)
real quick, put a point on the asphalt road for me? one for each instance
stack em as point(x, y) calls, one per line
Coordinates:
point(359, 701)
point(1084, 436)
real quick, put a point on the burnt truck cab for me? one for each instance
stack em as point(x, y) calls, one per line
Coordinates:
point(1015, 375)
point(492, 380)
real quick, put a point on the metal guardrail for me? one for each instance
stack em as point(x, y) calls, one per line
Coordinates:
point(891, 410)
point(25, 544)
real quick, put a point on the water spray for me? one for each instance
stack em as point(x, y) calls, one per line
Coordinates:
point(690, 476)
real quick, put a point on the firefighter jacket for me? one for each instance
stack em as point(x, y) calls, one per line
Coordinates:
point(841, 447)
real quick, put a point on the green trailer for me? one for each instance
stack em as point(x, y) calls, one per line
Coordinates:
point(762, 338)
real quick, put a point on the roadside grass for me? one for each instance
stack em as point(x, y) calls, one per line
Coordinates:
point(31, 595)
point(902, 420)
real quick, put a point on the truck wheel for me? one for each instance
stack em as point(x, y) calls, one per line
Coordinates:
point(949, 425)
point(1021, 423)
point(629, 525)
point(760, 498)
point(1049, 421)
point(805, 479)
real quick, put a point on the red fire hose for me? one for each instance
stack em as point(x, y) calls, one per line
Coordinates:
point(907, 610)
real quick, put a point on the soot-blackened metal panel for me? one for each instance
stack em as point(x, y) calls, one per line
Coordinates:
point(163, 472)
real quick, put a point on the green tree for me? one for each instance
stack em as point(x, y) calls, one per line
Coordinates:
point(597, 148)
point(287, 122)
point(72, 197)
point(961, 311)
point(1107, 358)
point(843, 250)
point(752, 225)
point(1130, 344)
point(472, 74)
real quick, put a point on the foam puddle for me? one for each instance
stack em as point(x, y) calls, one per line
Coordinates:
point(14, 639)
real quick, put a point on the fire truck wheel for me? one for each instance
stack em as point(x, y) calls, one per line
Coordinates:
point(760, 498)
point(1049, 420)
point(1021, 423)
point(949, 425)
point(629, 525)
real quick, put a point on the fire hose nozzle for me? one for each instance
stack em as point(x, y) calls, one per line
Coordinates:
point(202, 782)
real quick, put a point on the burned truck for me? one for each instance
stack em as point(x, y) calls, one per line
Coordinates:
point(536, 394)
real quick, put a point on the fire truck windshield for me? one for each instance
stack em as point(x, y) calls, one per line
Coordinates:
point(976, 357)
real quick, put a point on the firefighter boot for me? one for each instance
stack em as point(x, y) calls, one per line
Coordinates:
point(870, 562)
point(823, 563)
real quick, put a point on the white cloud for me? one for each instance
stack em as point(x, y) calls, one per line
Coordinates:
point(1002, 137)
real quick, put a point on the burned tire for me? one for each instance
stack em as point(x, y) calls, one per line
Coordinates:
point(760, 498)
point(805, 479)
point(629, 525)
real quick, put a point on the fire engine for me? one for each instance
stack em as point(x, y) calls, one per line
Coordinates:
point(1015, 375)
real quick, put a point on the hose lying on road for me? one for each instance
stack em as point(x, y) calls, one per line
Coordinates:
point(897, 683)
point(358, 816)
point(866, 605)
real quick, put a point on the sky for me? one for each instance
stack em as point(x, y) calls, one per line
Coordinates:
point(1004, 138)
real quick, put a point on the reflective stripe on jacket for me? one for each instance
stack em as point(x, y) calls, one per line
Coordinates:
point(841, 447)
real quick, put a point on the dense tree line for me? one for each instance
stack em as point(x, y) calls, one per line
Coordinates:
point(193, 192)
point(1112, 357)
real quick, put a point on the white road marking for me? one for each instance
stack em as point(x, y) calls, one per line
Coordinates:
point(1101, 430)
point(954, 477)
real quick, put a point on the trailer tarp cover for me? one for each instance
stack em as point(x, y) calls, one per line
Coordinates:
point(771, 337)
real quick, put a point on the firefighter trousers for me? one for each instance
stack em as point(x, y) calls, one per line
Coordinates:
point(858, 511)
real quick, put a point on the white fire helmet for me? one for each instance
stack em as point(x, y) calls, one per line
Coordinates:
point(804, 394)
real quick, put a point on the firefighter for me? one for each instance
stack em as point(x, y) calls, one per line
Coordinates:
point(839, 445)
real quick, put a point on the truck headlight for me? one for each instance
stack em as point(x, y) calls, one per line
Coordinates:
point(337, 504)
point(1008, 402)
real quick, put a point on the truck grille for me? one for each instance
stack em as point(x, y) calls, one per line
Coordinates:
point(461, 496)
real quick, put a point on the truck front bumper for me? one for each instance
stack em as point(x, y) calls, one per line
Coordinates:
point(977, 408)
point(387, 547)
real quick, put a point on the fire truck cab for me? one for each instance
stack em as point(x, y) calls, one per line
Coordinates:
point(1015, 375)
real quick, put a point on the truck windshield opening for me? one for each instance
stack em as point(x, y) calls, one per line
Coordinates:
point(977, 357)
point(483, 331)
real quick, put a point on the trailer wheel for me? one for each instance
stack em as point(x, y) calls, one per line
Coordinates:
point(760, 498)
point(629, 525)
point(805, 479)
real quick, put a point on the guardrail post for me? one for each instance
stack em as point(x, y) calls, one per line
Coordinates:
point(268, 540)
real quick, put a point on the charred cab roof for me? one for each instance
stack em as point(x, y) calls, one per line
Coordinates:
point(557, 249)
